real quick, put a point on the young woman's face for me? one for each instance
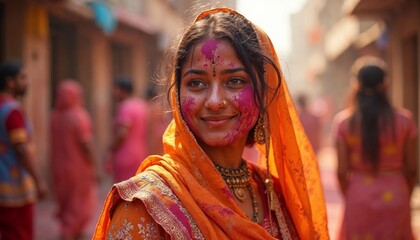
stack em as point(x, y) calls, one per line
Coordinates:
point(217, 95)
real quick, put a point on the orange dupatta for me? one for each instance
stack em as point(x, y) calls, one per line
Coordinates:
point(190, 173)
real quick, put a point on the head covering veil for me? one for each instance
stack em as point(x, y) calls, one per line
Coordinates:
point(69, 95)
point(192, 176)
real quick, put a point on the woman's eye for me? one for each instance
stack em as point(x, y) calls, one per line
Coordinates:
point(235, 82)
point(196, 84)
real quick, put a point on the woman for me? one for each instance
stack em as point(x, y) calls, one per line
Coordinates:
point(376, 159)
point(226, 88)
point(72, 161)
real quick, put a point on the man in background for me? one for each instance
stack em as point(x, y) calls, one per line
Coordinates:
point(130, 143)
point(20, 182)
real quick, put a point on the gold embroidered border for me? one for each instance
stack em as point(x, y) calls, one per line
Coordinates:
point(141, 187)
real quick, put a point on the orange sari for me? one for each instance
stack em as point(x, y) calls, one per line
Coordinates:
point(185, 174)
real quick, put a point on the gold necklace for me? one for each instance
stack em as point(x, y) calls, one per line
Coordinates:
point(239, 180)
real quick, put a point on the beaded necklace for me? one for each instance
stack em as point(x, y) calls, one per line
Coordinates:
point(238, 181)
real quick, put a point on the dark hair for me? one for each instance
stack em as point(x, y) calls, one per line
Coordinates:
point(237, 30)
point(373, 111)
point(124, 83)
point(8, 69)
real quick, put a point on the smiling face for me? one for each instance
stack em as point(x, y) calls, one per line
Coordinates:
point(216, 95)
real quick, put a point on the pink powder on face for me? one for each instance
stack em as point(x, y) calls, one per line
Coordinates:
point(246, 96)
point(249, 114)
point(187, 106)
point(208, 48)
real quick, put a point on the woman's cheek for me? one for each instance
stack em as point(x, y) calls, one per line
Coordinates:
point(188, 105)
point(245, 102)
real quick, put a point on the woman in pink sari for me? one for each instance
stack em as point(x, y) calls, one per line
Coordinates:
point(376, 159)
point(72, 160)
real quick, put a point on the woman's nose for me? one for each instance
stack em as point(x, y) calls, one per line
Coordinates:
point(216, 99)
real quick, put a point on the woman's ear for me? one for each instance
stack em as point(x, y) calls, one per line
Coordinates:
point(354, 83)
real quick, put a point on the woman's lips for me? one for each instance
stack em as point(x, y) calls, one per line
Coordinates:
point(216, 121)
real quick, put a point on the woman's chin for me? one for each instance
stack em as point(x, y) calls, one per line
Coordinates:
point(220, 141)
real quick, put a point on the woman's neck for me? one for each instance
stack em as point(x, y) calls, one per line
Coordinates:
point(227, 156)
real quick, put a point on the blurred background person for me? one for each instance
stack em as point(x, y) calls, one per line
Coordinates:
point(130, 143)
point(158, 121)
point(376, 158)
point(73, 163)
point(310, 122)
point(20, 182)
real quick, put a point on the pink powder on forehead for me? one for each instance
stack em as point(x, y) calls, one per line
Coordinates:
point(209, 47)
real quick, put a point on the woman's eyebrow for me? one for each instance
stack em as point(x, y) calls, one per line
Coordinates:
point(194, 71)
point(203, 72)
point(233, 70)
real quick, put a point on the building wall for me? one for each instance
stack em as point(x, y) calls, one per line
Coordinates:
point(404, 55)
point(307, 58)
point(61, 41)
point(404, 58)
point(158, 12)
point(25, 38)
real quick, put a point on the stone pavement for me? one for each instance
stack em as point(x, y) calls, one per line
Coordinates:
point(47, 227)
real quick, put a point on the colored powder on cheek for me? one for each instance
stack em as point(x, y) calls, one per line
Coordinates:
point(245, 97)
point(246, 103)
point(208, 48)
point(251, 108)
point(187, 106)
point(249, 114)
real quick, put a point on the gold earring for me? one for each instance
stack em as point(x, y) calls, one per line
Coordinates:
point(259, 131)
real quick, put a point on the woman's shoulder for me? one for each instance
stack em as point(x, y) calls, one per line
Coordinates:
point(137, 186)
point(157, 202)
point(404, 113)
point(340, 123)
point(405, 122)
point(342, 116)
point(131, 220)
